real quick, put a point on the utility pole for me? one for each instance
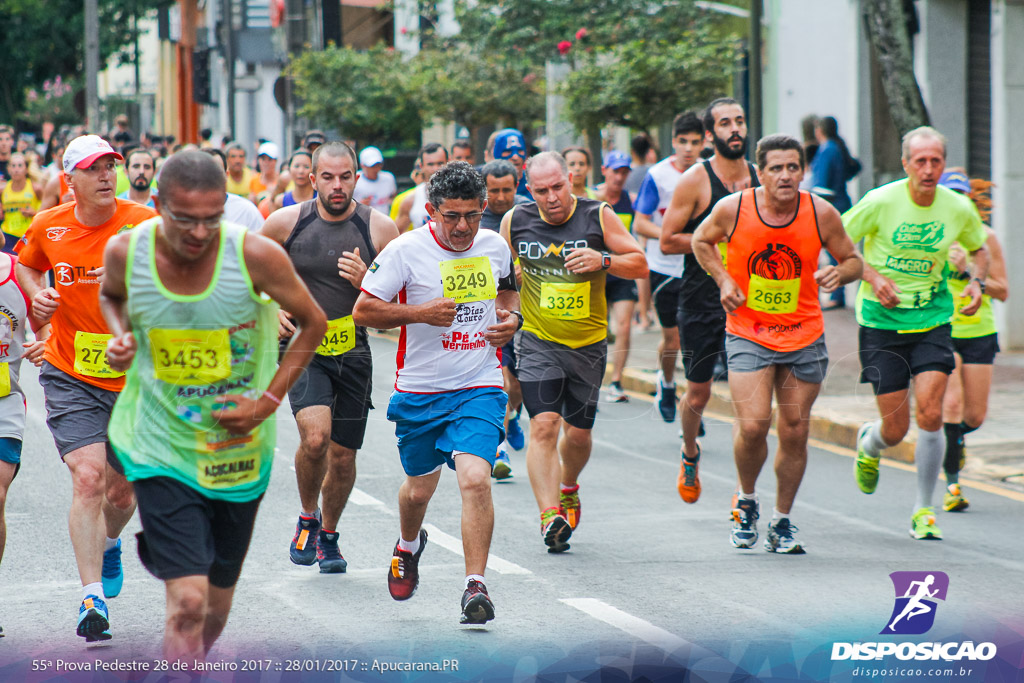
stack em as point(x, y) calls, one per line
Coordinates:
point(755, 116)
point(228, 43)
point(92, 66)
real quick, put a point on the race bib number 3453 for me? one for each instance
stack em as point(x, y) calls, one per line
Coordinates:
point(91, 355)
point(468, 279)
point(183, 357)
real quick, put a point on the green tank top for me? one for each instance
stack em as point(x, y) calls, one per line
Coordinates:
point(192, 349)
point(981, 324)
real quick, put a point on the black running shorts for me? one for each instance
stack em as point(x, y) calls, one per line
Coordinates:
point(889, 358)
point(702, 341)
point(977, 350)
point(344, 384)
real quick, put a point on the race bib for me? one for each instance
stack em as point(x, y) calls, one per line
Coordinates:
point(339, 338)
point(468, 279)
point(565, 300)
point(184, 357)
point(723, 248)
point(91, 355)
point(775, 297)
point(961, 319)
point(5, 379)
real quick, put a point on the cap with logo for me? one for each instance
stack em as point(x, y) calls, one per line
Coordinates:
point(616, 159)
point(509, 142)
point(370, 156)
point(269, 149)
point(84, 150)
point(954, 180)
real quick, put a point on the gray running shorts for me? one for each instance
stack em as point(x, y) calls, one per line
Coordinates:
point(809, 364)
point(77, 413)
point(559, 379)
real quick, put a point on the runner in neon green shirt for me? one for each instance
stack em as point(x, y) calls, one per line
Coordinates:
point(189, 300)
point(904, 309)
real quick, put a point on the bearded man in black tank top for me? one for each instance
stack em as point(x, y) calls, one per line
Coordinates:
point(331, 240)
point(701, 317)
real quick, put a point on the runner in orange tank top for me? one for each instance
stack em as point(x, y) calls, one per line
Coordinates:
point(775, 339)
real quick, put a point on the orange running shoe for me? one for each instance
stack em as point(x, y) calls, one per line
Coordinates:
point(689, 479)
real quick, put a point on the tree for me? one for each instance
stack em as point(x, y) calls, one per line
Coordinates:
point(640, 85)
point(457, 84)
point(364, 95)
point(43, 40)
point(890, 41)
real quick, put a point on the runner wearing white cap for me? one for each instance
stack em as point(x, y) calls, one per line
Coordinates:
point(375, 187)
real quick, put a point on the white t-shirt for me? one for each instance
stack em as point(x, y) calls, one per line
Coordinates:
point(418, 213)
point(435, 359)
point(653, 199)
point(242, 211)
point(380, 191)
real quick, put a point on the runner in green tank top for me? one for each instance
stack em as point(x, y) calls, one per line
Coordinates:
point(190, 302)
point(974, 340)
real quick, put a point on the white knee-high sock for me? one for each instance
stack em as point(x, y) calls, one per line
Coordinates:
point(928, 456)
point(873, 442)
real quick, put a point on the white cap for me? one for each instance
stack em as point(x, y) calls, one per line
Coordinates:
point(86, 149)
point(269, 149)
point(370, 156)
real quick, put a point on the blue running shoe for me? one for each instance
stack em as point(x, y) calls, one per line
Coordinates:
point(514, 434)
point(502, 466)
point(303, 547)
point(112, 574)
point(93, 619)
point(328, 555)
point(666, 398)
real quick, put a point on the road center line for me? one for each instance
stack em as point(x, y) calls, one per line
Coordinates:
point(360, 497)
point(634, 626)
point(455, 545)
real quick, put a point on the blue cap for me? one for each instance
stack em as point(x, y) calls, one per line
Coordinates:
point(509, 142)
point(955, 180)
point(616, 159)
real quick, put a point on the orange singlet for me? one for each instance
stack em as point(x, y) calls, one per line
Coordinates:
point(775, 266)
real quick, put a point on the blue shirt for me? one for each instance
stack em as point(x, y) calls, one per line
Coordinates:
point(828, 175)
point(150, 204)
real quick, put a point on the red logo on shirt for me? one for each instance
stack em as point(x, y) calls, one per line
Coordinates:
point(463, 341)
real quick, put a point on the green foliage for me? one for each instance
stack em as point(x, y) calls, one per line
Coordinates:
point(42, 40)
point(457, 84)
point(641, 85)
point(364, 95)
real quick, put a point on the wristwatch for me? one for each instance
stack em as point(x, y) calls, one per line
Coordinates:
point(606, 260)
point(522, 320)
point(981, 284)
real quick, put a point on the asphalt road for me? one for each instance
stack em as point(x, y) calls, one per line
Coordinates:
point(651, 588)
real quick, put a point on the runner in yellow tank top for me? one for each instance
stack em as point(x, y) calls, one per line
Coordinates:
point(761, 361)
point(20, 201)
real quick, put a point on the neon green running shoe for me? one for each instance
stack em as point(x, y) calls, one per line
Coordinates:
point(922, 526)
point(954, 500)
point(865, 468)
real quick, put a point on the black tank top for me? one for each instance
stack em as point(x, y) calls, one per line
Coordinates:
point(699, 291)
point(624, 209)
point(315, 246)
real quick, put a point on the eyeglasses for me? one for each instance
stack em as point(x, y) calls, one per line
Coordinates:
point(452, 219)
point(193, 223)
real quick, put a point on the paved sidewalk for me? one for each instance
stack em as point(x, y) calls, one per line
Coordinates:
point(995, 452)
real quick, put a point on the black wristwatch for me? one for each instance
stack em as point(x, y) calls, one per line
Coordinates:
point(522, 320)
point(981, 284)
point(606, 260)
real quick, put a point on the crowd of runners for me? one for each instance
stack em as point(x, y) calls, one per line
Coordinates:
point(172, 304)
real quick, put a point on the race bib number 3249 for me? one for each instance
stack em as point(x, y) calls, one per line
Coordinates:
point(468, 279)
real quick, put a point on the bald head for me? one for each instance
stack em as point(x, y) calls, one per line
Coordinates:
point(545, 160)
point(191, 170)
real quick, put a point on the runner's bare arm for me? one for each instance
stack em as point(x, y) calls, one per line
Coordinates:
point(113, 304)
point(272, 273)
point(681, 209)
point(51, 193)
point(837, 241)
point(996, 285)
point(508, 323)
point(279, 224)
point(44, 299)
point(404, 222)
point(714, 229)
point(644, 226)
point(351, 265)
point(505, 231)
point(628, 260)
point(369, 311)
point(980, 257)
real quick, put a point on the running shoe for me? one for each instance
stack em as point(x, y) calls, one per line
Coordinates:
point(328, 555)
point(514, 434)
point(477, 607)
point(954, 500)
point(865, 468)
point(781, 538)
point(569, 505)
point(689, 480)
point(112, 574)
point(404, 576)
point(922, 526)
point(744, 528)
point(303, 548)
point(502, 466)
point(555, 530)
point(616, 394)
point(93, 619)
point(666, 398)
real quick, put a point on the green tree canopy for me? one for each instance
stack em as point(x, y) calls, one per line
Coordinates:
point(364, 95)
point(41, 40)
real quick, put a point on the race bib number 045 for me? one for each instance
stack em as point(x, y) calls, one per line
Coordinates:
point(184, 357)
point(565, 300)
point(91, 355)
point(339, 338)
point(468, 279)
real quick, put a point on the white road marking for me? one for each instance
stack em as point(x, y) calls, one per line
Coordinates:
point(360, 497)
point(634, 626)
point(455, 545)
